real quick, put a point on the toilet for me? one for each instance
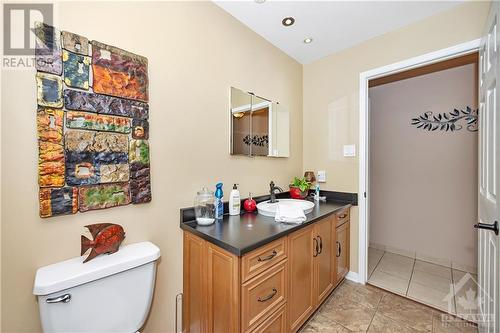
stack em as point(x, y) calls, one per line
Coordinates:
point(111, 293)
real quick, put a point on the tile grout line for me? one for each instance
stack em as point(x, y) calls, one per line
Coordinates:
point(378, 262)
point(454, 294)
point(411, 277)
point(376, 310)
point(358, 303)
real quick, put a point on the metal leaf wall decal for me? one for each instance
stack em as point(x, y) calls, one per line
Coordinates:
point(447, 121)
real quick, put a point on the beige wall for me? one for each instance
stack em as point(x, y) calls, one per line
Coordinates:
point(331, 88)
point(423, 184)
point(196, 53)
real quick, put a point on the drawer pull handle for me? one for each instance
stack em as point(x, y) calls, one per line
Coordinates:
point(61, 299)
point(268, 297)
point(269, 257)
point(339, 249)
point(316, 247)
point(343, 216)
point(320, 244)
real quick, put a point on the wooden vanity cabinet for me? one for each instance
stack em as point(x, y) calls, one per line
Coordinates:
point(272, 289)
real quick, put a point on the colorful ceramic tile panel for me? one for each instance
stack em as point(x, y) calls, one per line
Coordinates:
point(58, 201)
point(139, 151)
point(75, 43)
point(113, 173)
point(79, 141)
point(50, 164)
point(96, 122)
point(103, 196)
point(76, 70)
point(47, 49)
point(81, 168)
point(84, 167)
point(138, 169)
point(119, 73)
point(50, 125)
point(84, 101)
point(140, 129)
point(111, 142)
point(49, 90)
point(140, 183)
point(140, 189)
point(76, 140)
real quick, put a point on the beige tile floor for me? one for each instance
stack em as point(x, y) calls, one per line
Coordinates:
point(446, 289)
point(354, 307)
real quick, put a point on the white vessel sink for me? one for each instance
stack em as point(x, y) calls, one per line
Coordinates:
point(269, 209)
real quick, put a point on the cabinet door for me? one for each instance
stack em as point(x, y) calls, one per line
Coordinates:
point(223, 286)
point(301, 295)
point(342, 249)
point(324, 261)
point(194, 316)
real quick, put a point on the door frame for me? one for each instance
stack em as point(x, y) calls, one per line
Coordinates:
point(364, 135)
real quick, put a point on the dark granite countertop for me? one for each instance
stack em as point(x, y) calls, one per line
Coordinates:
point(243, 233)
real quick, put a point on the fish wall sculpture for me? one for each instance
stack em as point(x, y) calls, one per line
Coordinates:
point(107, 238)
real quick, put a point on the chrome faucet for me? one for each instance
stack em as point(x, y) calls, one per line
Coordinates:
point(272, 191)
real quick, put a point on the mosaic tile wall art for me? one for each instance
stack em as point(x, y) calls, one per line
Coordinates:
point(92, 124)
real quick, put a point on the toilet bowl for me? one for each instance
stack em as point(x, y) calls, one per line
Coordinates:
point(111, 293)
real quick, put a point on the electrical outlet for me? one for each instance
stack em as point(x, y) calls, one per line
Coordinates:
point(349, 150)
point(321, 176)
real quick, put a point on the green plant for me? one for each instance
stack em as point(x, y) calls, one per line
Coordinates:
point(301, 183)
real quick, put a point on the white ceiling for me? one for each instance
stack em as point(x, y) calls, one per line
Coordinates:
point(333, 25)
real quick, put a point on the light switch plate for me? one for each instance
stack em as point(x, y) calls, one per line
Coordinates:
point(321, 176)
point(349, 150)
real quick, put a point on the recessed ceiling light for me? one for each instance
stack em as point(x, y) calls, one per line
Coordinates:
point(308, 40)
point(288, 21)
point(260, 1)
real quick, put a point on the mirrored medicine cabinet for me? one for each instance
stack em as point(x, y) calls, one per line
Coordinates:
point(259, 126)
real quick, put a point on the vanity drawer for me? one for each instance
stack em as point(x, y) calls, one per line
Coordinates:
point(262, 295)
point(342, 216)
point(275, 323)
point(257, 261)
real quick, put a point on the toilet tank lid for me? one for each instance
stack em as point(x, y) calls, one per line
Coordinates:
point(73, 272)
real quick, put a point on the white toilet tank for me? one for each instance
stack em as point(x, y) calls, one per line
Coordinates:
point(111, 293)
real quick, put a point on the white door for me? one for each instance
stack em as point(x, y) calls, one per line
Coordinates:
point(489, 176)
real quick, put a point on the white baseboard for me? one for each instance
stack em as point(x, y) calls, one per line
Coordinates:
point(433, 260)
point(464, 268)
point(352, 276)
point(424, 257)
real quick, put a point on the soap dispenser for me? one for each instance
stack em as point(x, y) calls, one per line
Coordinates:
point(234, 201)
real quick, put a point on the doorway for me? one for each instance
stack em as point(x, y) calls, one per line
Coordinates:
point(404, 266)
